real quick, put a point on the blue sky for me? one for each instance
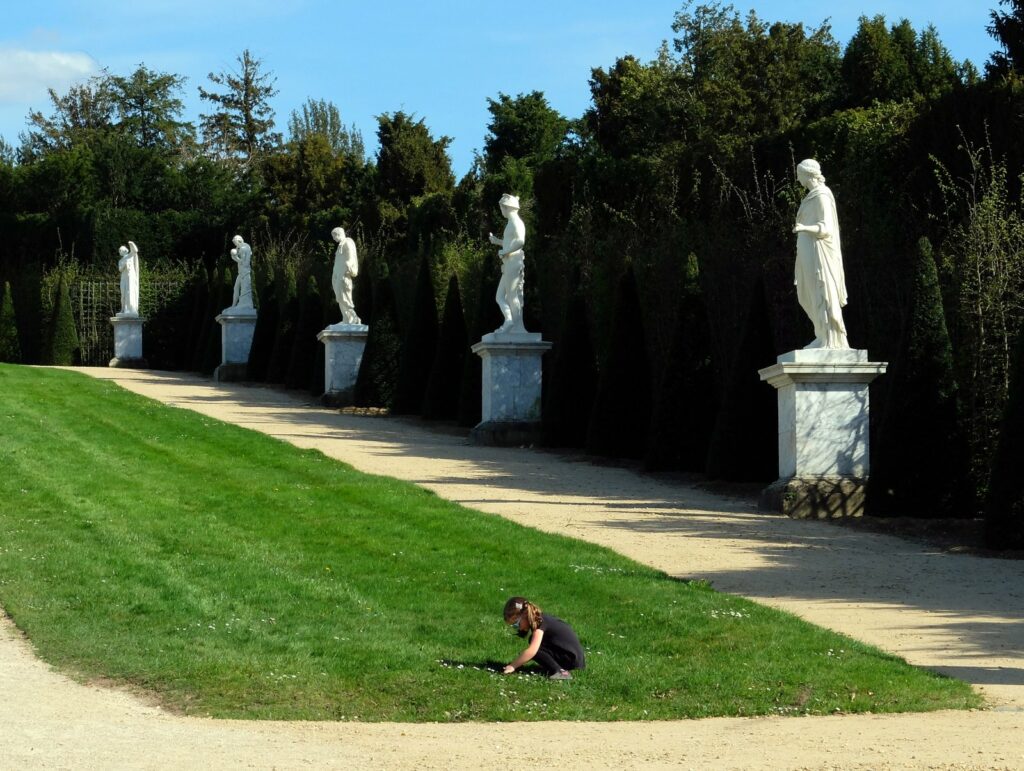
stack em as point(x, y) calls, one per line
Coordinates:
point(439, 59)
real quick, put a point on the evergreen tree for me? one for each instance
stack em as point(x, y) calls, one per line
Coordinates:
point(687, 398)
point(908, 477)
point(241, 126)
point(622, 405)
point(288, 317)
point(486, 319)
point(263, 336)
point(198, 327)
point(570, 384)
point(10, 350)
point(221, 294)
point(745, 442)
point(63, 348)
point(441, 401)
point(1008, 30)
point(308, 323)
point(418, 347)
point(378, 372)
point(148, 109)
point(1004, 509)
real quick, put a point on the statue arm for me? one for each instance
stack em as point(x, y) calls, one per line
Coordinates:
point(133, 248)
point(494, 239)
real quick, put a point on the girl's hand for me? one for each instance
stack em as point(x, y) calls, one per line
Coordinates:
point(508, 670)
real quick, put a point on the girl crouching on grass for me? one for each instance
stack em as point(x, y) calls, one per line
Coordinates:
point(553, 644)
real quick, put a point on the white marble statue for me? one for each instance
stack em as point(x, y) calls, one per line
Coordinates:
point(819, 277)
point(346, 268)
point(128, 266)
point(513, 269)
point(242, 297)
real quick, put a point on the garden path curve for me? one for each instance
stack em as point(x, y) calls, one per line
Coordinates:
point(958, 614)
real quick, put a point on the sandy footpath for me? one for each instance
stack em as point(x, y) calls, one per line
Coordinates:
point(957, 614)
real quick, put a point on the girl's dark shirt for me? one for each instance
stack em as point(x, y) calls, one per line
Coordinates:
point(560, 640)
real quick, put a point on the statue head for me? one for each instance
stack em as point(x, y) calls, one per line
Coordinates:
point(237, 240)
point(508, 203)
point(809, 170)
point(338, 234)
point(122, 250)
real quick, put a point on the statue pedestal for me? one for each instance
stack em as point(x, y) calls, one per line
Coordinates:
point(343, 353)
point(824, 458)
point(236, 331)
point(127, 342)
point(511, 407)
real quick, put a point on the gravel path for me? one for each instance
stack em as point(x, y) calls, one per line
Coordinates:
point(958, 614)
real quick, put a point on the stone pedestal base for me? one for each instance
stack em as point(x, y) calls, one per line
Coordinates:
point(127, 342)
point(236, 331)
point(824, 454)
point(511, 408)
point(343, 354)
point(815, 497)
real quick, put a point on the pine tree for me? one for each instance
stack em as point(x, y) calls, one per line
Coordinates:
point(418, 347)
point(1004, 508)
point(687, 400)
point(745, 443)
point(378, 373)
point(908, 477)
point(10, 349)
point(622, 406)
point(441, 401)
point(571, 383)
point(63, 348)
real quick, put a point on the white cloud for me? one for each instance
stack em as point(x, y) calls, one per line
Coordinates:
point(25, 75)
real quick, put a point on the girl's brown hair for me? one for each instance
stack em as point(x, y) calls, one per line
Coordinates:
point(517, 606)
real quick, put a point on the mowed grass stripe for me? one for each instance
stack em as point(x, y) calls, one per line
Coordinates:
point(234, 575)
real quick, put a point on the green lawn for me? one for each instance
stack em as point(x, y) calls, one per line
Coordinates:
point(234, 575)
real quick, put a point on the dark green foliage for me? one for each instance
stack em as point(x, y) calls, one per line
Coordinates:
point(920, 464)
point(687, 397)
point(486, 319)
point(1008, 30)
point(221, 295)
point(744, 444)
point(263, 336)
point(10, 348)
point(62, 338)
point(1004, 508)
point(198, 328)
point(570, 382)
point(378, 372)
point(441, 400)
point(287, 320)
point(418, 347)
point(622, 406)
point(308, 323)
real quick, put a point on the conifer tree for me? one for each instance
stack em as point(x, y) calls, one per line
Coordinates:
point(745, 443)
point(1004, 508)
point(486, 319)
point(63, 348)
point(687, 397)
point(264, 333)
point(378, 373)
point(10, 349)
point(308, 323)
point(418, 347)
point(221, 295)
point(571, 382)
point(197, 326)
point(441, 401)
point(288, 316)
point(908, 477)
point(622, 407)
